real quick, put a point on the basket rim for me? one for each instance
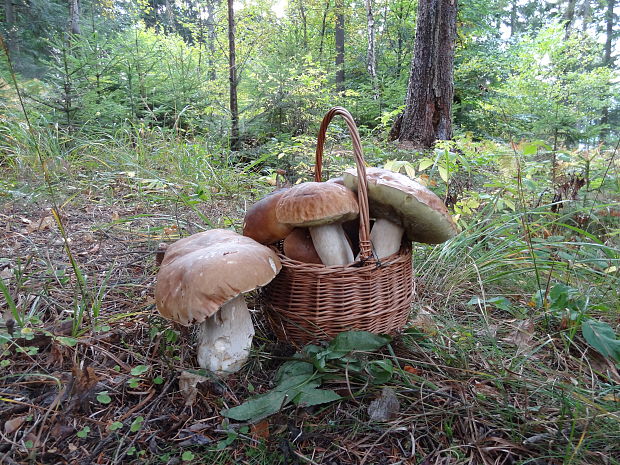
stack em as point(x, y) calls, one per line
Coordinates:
point(405, 250)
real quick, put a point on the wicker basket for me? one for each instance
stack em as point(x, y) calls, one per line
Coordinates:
point(308, 302)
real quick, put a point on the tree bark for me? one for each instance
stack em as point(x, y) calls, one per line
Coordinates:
point(74, 16)
point(586, 13)
point(569, 17)
point(609, 23)
point(211, 37)
point(339, 40)
point(607, 60)
point(9, 17)
point(513, 18)
point(428, 104)
point(371, 57)
point(304, 23)
point(323, 25)
point(235, 143)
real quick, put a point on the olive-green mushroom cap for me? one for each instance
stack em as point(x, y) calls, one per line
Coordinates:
point(398, 198)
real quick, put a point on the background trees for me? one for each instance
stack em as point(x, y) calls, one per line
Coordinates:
point(521, 68)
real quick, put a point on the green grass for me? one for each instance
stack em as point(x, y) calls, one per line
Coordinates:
point(493, 366)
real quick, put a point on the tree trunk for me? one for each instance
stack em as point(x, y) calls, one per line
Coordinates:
point(607, 60)
point(371, 57)
point(74, 16)
point(339, 40)
point(428, 104)
point(323, 25)
point(304, 23)
point(586, 13)
point(211, 37)
point(9, 17)
point(169, 19)
point(609, 22)
point(513, 18)
point(235, 143)
point(569, 17)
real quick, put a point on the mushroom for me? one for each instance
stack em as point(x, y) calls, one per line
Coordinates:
point(400, 205)
point(260, 222)
point(321, 207)
point(202, 279)
point(298, 246)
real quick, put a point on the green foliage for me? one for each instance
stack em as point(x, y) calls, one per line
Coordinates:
point(298, 381)
point(555, 90)
point(602, 337)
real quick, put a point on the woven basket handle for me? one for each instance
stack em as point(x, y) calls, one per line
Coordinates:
point(362, 192)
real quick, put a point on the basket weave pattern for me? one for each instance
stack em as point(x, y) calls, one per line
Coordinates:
point(308, 302)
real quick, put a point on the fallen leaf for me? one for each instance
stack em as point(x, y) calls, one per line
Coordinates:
point(12, 425)
point(6, 273)
point(170, 230)
point(187, 383)
point(56, 354)
point(385, 408)
point(84, 383)
point(424, 322)
point(412, 370)
point(486, 390)
point(197, 427)
point(60, 431)
point(603, 365)
point(261, 430)
point(41, 225)
point(93, 250)
point(523, 335)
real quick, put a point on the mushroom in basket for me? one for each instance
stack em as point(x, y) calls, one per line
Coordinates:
point(401, 205)
point(322, 207)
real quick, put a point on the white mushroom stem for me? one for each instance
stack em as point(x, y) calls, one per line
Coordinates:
point(386, 237)
point(331, 244)
point(224, 339)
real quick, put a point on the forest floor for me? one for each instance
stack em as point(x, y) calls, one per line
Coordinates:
point(94, 375)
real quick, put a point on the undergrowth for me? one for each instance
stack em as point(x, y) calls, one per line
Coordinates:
point(496, 364)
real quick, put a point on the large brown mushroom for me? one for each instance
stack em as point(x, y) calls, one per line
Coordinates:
point(400, 205)
point(202, 279)
point(298, 245)
point(260, 222)
point(321, 207)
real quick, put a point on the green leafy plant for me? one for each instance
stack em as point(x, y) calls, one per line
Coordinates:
point(136, 425)
point(115, 426)
point(187, 456)
point(104, 397)
point(601, 337)
point(298, 381)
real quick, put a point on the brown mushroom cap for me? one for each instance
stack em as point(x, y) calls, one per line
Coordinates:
point(260, 222)
point(398, 198)
point(317, 203)
point(298, 246)
point(202, 272)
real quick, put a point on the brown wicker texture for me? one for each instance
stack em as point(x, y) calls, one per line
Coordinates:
point(308, 302)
